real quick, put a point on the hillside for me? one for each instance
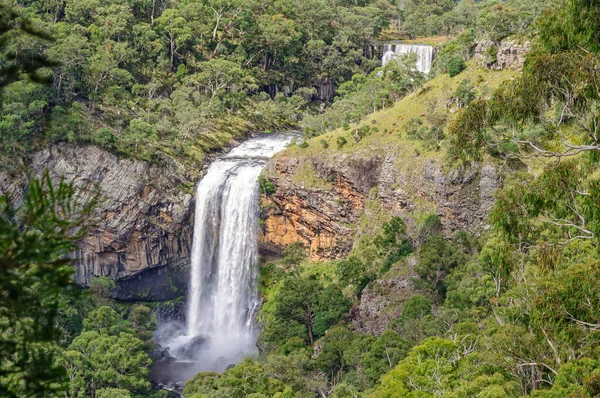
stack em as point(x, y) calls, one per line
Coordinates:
point(324, 189)
point(299, 199)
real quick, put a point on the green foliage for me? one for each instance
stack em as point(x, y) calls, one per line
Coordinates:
point(202, 383)
point(415, 373)
point(101, 286)
point(352, 272)
point(393, 243)
point(450, 59)
point(143, 321)
point(246, 379)
point(293, 255)
point(266, 186)
point(35, 276)
point(574, 25)
point(16, 26)
point(302, 307)
point(437, 258)
point(416, 307)
point(179, 78)
point(384, 354)
point(464, 93)
point(558, 80)
point(112, 393)
point(365, 94)
point(106, 355)
point(341, 141)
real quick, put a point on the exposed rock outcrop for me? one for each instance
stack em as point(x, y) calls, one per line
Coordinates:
point(325, 216)
point(502, 55)
point(384, 299)
point(143, 236)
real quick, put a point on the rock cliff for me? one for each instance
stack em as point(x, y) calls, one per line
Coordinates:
point(502, 55)
point(323, 211)
point(143, 236)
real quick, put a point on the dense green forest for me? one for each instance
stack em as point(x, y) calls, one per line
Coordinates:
point(512, 312)
point(155, 78)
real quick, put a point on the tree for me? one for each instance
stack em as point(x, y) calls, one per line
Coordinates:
point(293, 255)
point(304, 308)
point(104, 360)
point(175, 30)
point(202, 383)
point(427, 371)
point(247, 378)
point(112, 393)
point(392, 243)
point(384, 354)
point(34, 273)
point(333, 345)
point(101, 286)
point(13, 27)
point(352, 272)
point(437, 258)
point(105, 321)
point(218, 76)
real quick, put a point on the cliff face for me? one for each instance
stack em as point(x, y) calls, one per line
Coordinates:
point(502, 55)
point(324, 214)
point(143, 236)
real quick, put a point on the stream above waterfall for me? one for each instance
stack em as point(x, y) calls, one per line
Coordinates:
point(222, 298)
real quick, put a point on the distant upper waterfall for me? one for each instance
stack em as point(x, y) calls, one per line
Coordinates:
point(424, 54)
point(224, 260)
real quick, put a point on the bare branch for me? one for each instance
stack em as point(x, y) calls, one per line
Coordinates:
point(592, 326)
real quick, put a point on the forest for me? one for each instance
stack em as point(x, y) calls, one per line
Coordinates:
point(508, 312)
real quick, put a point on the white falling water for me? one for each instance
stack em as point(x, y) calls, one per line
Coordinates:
point(224, 269)
point(424, 54)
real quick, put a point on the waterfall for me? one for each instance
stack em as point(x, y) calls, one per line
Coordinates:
point(224, 260)
point(424, 54)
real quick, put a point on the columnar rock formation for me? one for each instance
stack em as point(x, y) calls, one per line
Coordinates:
point(142, 237)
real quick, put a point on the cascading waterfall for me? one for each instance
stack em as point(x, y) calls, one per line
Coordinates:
point(424, 54)
point(224, 269)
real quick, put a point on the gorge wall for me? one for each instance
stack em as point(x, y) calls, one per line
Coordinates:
point(320, 199)
point(328, 199)
point(143, 234)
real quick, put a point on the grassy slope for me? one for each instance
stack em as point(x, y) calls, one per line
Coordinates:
point(391, 122)
point(410, 154)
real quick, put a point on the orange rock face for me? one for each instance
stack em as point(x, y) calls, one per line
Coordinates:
point(324, 210)
point(319, 218)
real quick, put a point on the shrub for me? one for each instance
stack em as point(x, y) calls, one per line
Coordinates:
point(266, 186)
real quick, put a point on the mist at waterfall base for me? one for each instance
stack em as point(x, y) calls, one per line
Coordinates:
point(424, 54)
point(222, 298)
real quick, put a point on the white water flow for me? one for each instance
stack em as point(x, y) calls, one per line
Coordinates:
point(424, 54)
point(224, 259)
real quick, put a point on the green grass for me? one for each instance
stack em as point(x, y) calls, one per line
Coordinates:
point(433, 96)
point(306, 175)
point(390, 138)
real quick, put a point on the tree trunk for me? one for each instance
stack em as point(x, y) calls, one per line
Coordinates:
point(172, 51)
point(308, 316)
